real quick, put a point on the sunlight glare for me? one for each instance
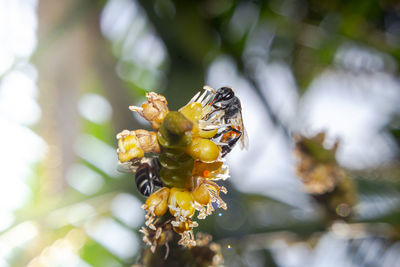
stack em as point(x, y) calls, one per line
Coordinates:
point(127, 209)
point(95, 108)
point(118, 239)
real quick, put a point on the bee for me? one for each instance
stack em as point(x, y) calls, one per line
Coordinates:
point(138, 153)
point(226, 109)
point(147, 174)
point(147, 177)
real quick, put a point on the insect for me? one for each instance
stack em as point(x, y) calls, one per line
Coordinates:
point(146, 171)
point(147, 177)
point(227, 109)
point(137, 152)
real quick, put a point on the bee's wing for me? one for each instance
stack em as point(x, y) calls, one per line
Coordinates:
point(203, 98)
point(244, 139)
point(126, 167)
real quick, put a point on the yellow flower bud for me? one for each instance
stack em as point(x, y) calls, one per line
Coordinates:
point(181, 199)
point(129, 148)
point(154, 110)
point(192, 111)
point(159, 201)
point(128, 142)
point(183, 226)
point(203, 149)
point(131, 154)
point(207, 134)
point(207, 170)
point(148, 141)
point(201, 195)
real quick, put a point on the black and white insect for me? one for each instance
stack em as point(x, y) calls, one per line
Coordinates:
point(223, 111)
point(146, 171)
point(147, 177)
point(226, 101)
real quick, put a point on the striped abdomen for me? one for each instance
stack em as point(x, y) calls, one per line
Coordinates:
point(147, 177)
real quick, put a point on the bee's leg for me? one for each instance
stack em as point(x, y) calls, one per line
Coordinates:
point(231, 143)
point(239, 133)
point(157, 182)
point(228, 129)
point(206, 117)
point(155, 170)
point(216, 109)
point(156, 163)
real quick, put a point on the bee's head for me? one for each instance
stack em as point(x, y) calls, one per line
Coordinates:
point(224, 95)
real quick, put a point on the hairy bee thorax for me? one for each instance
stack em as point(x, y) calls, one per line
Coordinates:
point(189, 146)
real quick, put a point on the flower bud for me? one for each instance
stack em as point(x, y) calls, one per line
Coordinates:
point(201, 195)
point(148, 141)
point(203, 149)
point(177, 124)
point(208, 170)
point(175, 131)
point(154, 110)
point(134, 144)
point(194, 112)
point(129, 148)
point(158, 201)
point(182, 227)
point(181, 200)
point(208, 133)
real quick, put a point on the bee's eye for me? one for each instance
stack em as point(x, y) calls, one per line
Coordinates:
point(228, 95)
point(225, 93)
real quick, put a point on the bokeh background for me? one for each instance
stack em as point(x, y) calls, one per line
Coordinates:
point(70, 69)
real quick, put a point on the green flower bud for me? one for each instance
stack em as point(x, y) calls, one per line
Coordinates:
point(175, 131)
